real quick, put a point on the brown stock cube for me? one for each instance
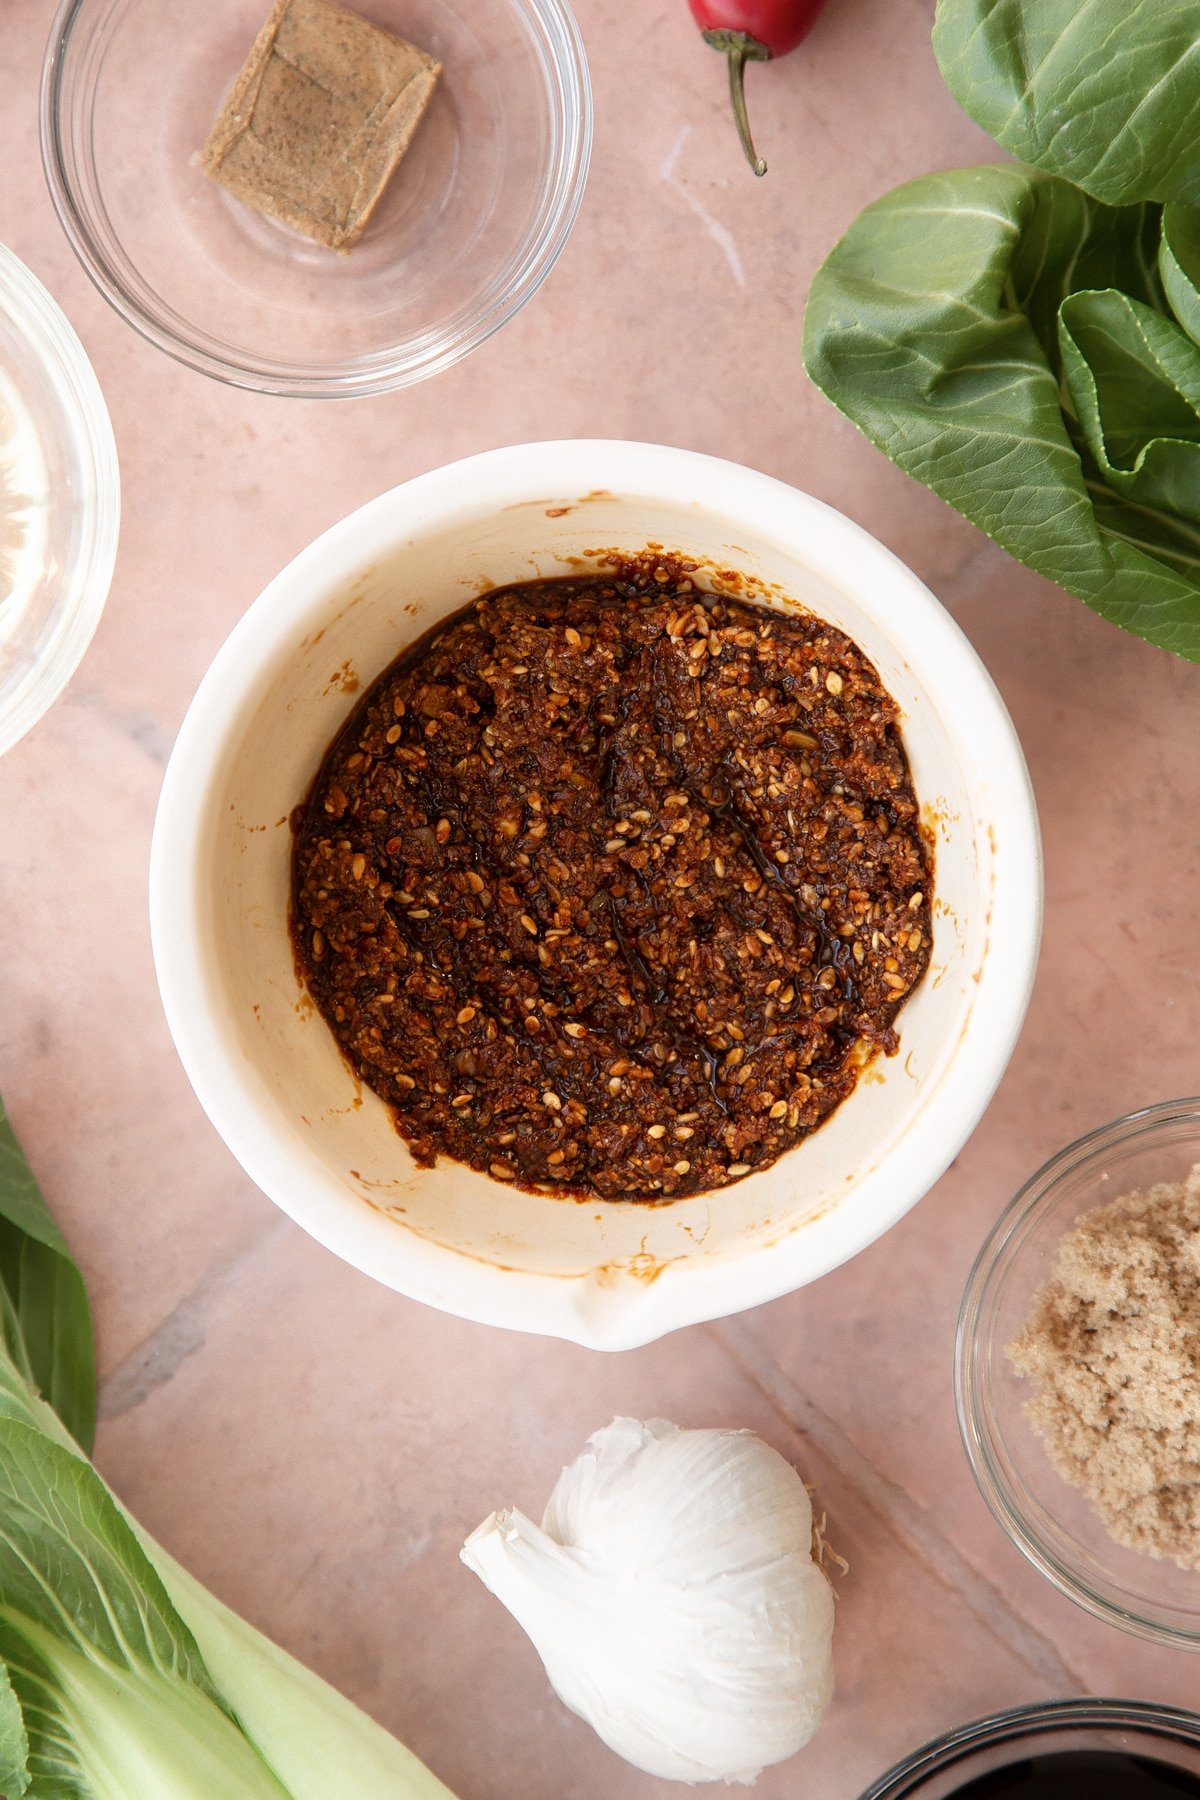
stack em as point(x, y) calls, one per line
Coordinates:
point(318, 119)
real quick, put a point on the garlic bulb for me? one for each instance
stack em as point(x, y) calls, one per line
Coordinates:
point(672, 1596)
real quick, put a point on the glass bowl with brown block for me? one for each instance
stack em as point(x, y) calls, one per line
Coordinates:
point(314, 199)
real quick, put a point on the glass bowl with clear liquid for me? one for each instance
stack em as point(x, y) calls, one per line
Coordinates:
point(59, 500)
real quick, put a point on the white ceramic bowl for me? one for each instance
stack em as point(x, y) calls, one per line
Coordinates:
point(266, 1067)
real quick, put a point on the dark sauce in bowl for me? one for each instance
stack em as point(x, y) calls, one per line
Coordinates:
point(1082, 1775)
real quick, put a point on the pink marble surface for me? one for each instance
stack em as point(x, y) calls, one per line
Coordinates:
point(315, 1447)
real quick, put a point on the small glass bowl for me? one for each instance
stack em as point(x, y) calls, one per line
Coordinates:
point(59, 500)
point(1048, 1520)
point(470, 225)
point(940, 1769)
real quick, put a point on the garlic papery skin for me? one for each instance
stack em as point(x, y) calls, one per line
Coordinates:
point(672, 1595)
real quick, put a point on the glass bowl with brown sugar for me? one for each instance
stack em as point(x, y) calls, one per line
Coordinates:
point(1078, 1372)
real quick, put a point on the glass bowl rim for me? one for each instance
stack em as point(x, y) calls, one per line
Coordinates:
point(1003, 1241)
point(372, 372)
point(904, 1780)
point(83, 415)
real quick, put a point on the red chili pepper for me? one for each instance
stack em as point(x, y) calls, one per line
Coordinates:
point(752, 31)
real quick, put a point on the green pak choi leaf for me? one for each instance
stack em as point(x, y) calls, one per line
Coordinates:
point(1179, 266)
point(115, 1695)
point(45, 1321)
point(14, 1741)
point(1134, 379)
point(1105, 93)
point(105, 1733)
point(121, 1677)
point(1007, 340)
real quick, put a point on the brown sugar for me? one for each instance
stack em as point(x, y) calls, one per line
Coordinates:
point(318, 119)
point(1113, 1346)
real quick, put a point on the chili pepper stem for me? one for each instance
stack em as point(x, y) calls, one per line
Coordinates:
point(739, 48)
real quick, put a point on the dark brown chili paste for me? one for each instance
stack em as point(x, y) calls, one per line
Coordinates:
point(612, 885)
